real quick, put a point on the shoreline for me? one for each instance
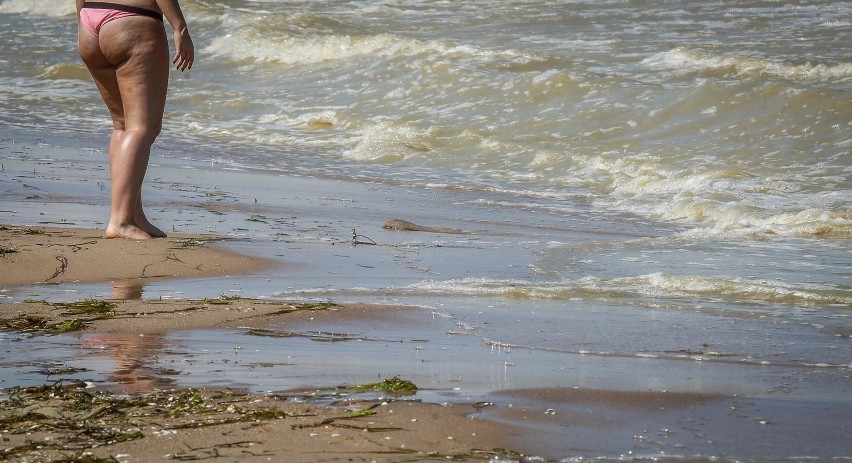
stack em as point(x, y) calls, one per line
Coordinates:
point(320, 420)
point(143, 410)
point(384, 425)
point(560, 381)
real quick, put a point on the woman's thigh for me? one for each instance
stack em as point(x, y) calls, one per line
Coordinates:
point(103, 72)
point(137, 51)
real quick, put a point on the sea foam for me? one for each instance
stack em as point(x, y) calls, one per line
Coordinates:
point(683, 59)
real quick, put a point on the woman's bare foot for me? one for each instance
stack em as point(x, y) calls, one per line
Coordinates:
point(131, 232)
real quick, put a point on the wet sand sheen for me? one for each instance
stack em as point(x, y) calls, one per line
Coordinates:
point(219, 423)
point(152, 354)
point(147, 343)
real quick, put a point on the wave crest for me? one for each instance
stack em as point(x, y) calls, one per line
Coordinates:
point(686, 60)
point(720, 201)
point(66, 71)
point(250, 43)
point(656, 285)
point(810, 223)
point(389, 141)
point(308, 50)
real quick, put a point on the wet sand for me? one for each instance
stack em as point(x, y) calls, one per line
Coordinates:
point(49, 255)
point(290, 427)
point(188, 425)
point(174, 307)
point(146, 403)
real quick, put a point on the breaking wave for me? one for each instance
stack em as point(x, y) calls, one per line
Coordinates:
point(656, 285)
point(687, 60)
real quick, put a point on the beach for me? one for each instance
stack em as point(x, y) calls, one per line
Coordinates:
point(583, 231)
point(184, 313)
point(335, 420)
point(232, 423)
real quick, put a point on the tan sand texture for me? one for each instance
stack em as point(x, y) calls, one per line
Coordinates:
point(73, 421)
point(33, 255)
point(57, 422)
point(146, 421)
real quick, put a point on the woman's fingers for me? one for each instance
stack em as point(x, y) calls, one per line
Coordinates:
point(182, 63)
point(184, 50)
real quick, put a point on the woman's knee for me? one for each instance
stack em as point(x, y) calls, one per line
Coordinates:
point(144, 134)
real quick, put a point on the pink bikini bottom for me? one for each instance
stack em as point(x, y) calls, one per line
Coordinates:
point(95, 14)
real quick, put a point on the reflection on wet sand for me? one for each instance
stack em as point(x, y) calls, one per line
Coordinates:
point(126, 290)
point(133, 356)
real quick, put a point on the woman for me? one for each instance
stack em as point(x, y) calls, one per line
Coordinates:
point(124, 45)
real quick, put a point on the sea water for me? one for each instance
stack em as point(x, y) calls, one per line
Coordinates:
point(645, 180)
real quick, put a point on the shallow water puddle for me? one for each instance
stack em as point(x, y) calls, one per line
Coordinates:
point(449, 362)
point(251, 359)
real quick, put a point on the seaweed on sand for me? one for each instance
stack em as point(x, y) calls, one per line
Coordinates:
point(394, 386)
point(69, 418)
point(190, 242)
point(312, 335)
point(223, 299)
point(23, 231)
point(63, 409)
point(87, 307)
point(32, 324)
point(70, 422)
point(74, 324)
point(81, 314)
point(25, 324)
point(307, 306)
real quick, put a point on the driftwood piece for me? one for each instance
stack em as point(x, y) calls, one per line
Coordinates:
point(404, 225)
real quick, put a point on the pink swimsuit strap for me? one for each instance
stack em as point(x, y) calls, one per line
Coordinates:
point(94, 18)
point(94, 15)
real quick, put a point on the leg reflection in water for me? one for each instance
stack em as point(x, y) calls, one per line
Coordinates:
point(127, 290)
point(134, 357)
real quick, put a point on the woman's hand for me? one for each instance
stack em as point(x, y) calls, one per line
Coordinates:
point(184, 50)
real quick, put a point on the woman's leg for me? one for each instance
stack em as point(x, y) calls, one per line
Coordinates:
point(130, 65)
point(139, 218)
point(143, 83)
